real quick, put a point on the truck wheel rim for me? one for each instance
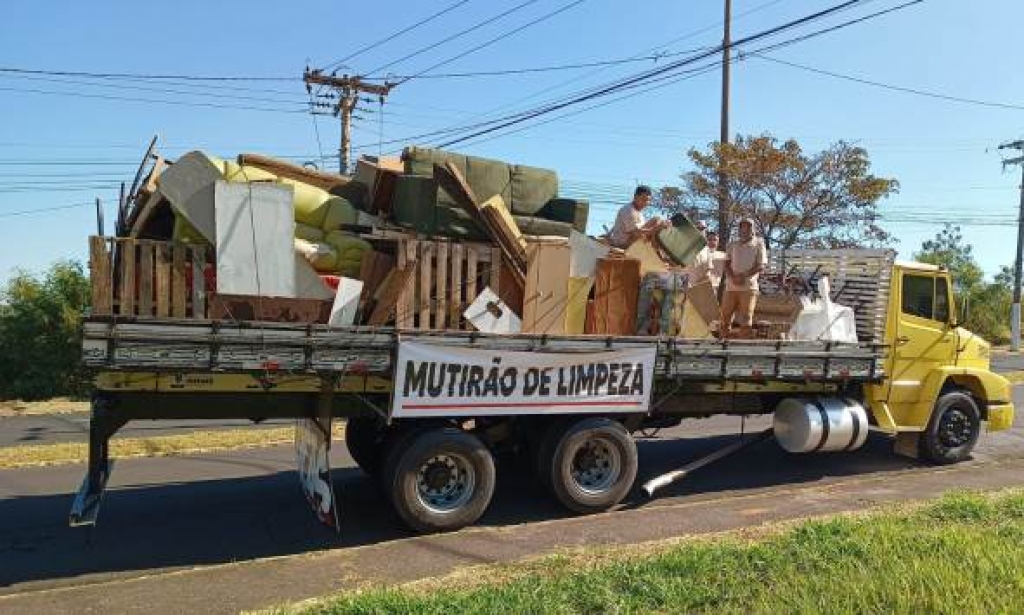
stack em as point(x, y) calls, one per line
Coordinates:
point(596, 465)
point(444, 483)
point(954, 428)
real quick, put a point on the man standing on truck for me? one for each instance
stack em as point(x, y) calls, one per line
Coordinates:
point(629, 222)
point(745, 259)
point(704, 266)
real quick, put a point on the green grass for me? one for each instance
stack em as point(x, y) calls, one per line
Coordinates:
point(963, 554)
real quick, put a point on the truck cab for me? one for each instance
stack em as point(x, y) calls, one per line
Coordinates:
point(939, 389)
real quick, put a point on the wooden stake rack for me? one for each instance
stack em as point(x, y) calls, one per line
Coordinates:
point(141, 277)
point(437, 280)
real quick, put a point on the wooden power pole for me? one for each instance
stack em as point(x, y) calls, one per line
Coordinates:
point(1015, 310)
point(723, 189)
point(347, 90)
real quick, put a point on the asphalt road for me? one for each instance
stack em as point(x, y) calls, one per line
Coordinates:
point(178, 513)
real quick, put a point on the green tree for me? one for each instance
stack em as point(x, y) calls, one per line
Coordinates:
point(989, 311)
point(40, 333)
point(827, 199)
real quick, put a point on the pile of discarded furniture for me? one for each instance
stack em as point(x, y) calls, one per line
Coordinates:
point(428, 240)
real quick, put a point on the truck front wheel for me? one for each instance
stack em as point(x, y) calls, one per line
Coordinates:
point(442, 480)
point(590, 464)
point(953, 429)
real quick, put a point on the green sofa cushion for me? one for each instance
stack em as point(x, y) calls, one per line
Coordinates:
point(532, 188)
point(530, 225)
point(571, 211)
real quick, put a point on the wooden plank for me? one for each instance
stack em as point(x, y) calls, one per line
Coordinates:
point(472, 256)
point(440, 295)
point(616, 291)
point(199, 282)
point(496, 262)
point(390, 303)
point(178, 281)
point(494, 224)
point(145, 273)
point(163, 280)
point(100, 277)
point(407, 259)
point(128, 259)
point(457, 302)
point(546, 295)
point(426, 279)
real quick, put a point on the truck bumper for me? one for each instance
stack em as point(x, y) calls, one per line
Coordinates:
point(1000, 416)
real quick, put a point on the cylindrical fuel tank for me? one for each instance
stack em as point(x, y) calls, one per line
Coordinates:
point(820, 424)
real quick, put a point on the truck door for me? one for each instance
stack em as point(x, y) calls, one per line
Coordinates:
point(924, 338)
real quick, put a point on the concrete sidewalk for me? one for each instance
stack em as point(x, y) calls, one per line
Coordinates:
point(265, 582)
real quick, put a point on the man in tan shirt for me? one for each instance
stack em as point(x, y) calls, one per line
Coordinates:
point(745, 259)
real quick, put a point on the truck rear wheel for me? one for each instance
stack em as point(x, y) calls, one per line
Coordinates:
point(440, 479)
point(364, 438)
point(953, 429)
point(589, 464)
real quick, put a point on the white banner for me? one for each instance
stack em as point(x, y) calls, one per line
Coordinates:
point(433, 380)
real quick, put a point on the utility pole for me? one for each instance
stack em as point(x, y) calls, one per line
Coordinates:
point(347, 89)
point(723, 190)
point(1015, 311)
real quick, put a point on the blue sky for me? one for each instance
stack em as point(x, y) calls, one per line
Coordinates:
point(74, 142)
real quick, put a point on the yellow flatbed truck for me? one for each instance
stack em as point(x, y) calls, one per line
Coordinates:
point(426, 411)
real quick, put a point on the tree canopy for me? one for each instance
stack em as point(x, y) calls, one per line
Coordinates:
point(989, 302)
point(40, 333)
point(827, 199)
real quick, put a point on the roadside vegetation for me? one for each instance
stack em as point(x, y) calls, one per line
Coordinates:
point(961, 554)
point(160, 446)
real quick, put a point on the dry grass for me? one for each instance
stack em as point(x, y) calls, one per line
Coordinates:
point(57, 405)
point(159, 446)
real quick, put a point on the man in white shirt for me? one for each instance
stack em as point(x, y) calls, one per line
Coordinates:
point(704, 267)
point(629, 221)
point(745, 259)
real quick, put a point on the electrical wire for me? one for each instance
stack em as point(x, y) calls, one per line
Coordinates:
point(493, 40)
point(653, 73)
point(150, 100)
point(70, 73)
point(542, 69)
point(889, 86)
point(395, 35)
point(459, 34)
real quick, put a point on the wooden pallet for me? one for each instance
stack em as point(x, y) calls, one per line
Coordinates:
point(146, 278)
point(445, 278)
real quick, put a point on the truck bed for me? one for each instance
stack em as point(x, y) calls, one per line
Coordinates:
point(176, 346)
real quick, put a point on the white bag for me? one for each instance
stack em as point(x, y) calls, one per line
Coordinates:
point(824, 321)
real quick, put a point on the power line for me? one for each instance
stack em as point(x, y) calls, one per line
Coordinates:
point(494, 40)
point(546, 69)
point(395, 35)
point(459, 34)
point(26, 212)
point(120, 86)
point(68, 73)
point(150, 100)
point(889, 86)
point(651, 74)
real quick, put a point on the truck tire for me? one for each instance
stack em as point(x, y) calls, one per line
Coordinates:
point(589, 464)
point(364, 438)
point(953, 429)
point(439, 479)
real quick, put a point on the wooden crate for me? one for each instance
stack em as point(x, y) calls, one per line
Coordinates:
point(446, 276)
point(146, 278)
